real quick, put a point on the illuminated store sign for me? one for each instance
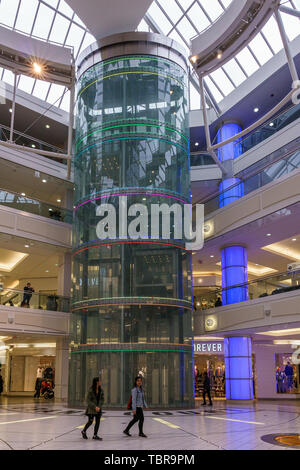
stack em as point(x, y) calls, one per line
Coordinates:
point(208, 347)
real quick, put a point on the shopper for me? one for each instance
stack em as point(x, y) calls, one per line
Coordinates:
point(28, 290)
point(1, 384)
point(138, 403)
point(206, 389)
point(37, 388)
point(95, 400)
point(219, 302)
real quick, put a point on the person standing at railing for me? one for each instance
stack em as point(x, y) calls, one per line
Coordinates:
point(28, 291)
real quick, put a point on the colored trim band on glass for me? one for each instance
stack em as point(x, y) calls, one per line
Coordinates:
point(130, 73)
point(128, 194)
point(133, 350)
point(133, 125)
point(132, 138)
point(135, 188)
point(123, 58)
point(131, 243)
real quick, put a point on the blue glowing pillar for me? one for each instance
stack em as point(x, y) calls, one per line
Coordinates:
point(232, 188)
point(234, 275)
point(238, 368)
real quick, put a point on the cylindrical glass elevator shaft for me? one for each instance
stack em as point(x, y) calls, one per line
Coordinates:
point(131, 309)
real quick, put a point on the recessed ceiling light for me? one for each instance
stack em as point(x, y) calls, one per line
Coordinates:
point(47, 270)
point(26, 246)
point(194, 59)
point(23, 194)
point(10, 110)
point(256, 110)
point(271, 124)
point(47, 126)
point(33, 146)
point(44, 181)
point(196, 144)
point(58, 200)
point(269, 235)
point(294, 239)
point(212, 256)
point(219, 54)
point(50, 210)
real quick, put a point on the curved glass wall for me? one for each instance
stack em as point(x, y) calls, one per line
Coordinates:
point(132, 311)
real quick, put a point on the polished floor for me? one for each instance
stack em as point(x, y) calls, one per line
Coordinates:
point(42, 425)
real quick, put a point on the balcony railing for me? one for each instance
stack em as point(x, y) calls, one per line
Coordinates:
point(206, 298)
point(42, 301)
point(34, 206)
point(267, 175)
point(271, 127)
point(28, 141)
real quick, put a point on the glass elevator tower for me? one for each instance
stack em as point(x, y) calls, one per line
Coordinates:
point(132, 303)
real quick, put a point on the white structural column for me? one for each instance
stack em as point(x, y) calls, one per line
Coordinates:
point(62, 369)
point(64, 275)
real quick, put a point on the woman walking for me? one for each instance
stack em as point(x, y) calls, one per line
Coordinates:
point(138, 403)
point(95, 400)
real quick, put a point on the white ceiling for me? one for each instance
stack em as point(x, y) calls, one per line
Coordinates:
point(106, 17)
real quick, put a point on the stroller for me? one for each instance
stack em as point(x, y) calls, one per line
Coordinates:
point(47, 389)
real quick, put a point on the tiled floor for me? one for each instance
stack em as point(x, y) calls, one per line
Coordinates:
point(41, 425)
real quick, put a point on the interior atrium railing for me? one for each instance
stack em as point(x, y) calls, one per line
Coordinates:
point(267, 175)
point(42, 301)
point(271, 127)
point(206, 298)
point(34, 206)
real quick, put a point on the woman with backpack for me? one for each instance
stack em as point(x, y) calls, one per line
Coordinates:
point(95, 400)
point(137, 403)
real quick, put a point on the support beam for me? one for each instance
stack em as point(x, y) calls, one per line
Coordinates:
point(13, 108)
point(286, 45)
point(70, 130)
point(206, 127)
point(290, 11)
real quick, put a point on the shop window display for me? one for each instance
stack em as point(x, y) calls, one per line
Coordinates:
point(287, 374)
point(216, 370)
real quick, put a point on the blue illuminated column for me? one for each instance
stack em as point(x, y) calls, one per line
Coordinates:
point(234, 275)
point(233, 258)
point(231, 188)
point(238, 368)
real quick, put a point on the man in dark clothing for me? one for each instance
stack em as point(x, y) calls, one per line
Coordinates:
point(1, 384)
point(218, 302)
point(28, 290)
point(206, 389)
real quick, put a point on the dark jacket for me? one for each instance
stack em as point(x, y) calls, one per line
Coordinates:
point(206, 383)
point(1, 384)
point(92, 402)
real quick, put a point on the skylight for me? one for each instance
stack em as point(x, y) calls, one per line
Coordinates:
point(54, 21)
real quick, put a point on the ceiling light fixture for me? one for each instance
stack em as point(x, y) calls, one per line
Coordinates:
point(194, 59)
point(47, 126)
point(268, 235)
point(44, 181)
point(23, 194)
point(58, 200)
point(256, 110)
point(37, 68)
point(196, 144)
point(219, 54)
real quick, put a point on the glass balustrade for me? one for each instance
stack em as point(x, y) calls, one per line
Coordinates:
point(34, 206)
point(206, 298)
point(42, 301)
point(250, 184)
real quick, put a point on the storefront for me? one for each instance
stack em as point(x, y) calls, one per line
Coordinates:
point(209, 357)
point(24, 364)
